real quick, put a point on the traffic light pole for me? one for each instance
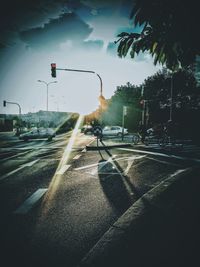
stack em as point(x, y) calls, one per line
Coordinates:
point(14, 103)
point(87, 71)
point(20, 113)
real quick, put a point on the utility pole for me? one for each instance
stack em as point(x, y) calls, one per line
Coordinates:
point(124, 113)
point(171, 99)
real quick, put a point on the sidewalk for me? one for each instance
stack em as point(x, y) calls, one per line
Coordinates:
point(161, 229)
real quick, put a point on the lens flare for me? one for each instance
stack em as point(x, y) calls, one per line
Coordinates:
point(63, 163)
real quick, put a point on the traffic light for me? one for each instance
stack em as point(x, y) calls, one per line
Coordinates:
point(53, 70)
point(4, 103)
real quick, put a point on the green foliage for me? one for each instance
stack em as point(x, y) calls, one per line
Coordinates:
point(69, 124)
point(157, 93)
point(185, 93)
point(125, 95)
point(169, 32)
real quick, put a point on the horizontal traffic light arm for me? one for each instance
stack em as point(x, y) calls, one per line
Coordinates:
point(88, 71)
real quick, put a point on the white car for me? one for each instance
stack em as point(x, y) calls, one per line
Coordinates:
point(114, 130)
point(38, 134)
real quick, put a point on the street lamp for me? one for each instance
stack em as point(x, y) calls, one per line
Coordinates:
point(47, 85)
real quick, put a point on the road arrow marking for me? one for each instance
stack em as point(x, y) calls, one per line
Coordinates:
point(30, 202)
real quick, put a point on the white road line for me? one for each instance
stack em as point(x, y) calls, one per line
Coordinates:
point(15, 156)
point(130, 163)
point(94, 172)
point(30, 202)
point(29, 164)
point(160, 154)
point(63, 169)
point(87, 166)
point(77, 157)
point(162, 161)
point(109, 160)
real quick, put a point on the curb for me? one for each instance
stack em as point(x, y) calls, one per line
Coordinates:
point(107, 147)
point(136, 238)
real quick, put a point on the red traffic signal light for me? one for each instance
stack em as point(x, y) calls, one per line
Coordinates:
point(53, 70)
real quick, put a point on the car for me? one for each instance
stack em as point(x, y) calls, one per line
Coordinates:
point(38, 134)
point(114, 130)
point(87, 129)
point(20, 130)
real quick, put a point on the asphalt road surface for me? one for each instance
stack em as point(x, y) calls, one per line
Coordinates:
point(57, 199)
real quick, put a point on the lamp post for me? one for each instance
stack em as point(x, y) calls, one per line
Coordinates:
point(144, 105)
point(47, 86)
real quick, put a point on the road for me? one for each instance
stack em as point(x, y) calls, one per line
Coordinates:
point(58, 199)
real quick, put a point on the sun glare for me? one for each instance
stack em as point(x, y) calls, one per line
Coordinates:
point(62, 165)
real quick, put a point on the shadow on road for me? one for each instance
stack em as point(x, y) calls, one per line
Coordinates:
point(117, 187)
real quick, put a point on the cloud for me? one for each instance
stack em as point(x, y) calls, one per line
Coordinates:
point(112, 48)
point(67, 27)
point(92, 45)
point(16, 16)
point(20, 16)
point(105, 3)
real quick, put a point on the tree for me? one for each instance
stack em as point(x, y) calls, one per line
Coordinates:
point(125, 95)
point(186, 101)
point(168, 31)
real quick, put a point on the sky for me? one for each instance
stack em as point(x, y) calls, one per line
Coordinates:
point(74, 34)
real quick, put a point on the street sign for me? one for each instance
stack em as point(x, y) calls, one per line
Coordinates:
point(125, 110)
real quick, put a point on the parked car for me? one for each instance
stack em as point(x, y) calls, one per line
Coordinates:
point(20, 130)
point(38, 134)
point(87, 129)
point(114, 130)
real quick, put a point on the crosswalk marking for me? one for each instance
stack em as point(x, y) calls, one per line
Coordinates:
point(30, 202)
